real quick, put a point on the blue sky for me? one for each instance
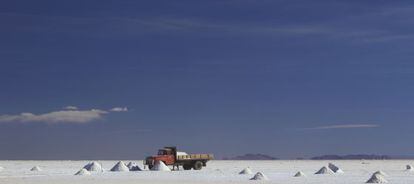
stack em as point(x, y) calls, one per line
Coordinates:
point(284, 78)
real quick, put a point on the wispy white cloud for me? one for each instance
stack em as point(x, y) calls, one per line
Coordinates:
point(71, 107)
point(345, 126)
point(119, 109)
point(70, 114)
point(63, 116)
point(365, 27)
point(137, 26)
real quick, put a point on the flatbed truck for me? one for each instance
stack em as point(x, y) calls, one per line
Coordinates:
point(170, 156)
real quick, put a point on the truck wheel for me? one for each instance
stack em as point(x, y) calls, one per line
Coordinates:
point(198, 165)
point(150, 167)
point(187, 167)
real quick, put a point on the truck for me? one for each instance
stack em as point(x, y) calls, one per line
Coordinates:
point(170, 156)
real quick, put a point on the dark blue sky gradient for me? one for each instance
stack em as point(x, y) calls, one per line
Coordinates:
point(227, 76)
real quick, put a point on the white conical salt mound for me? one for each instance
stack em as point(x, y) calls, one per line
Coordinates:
point(335, 168)
point(299, 174)
point(246, 171)
point(130, 164)
point(133, 167)
point(409, 168)
point(339, 171)
point(120, 167)
point(160, 166)
point(377, 178)
point(36, 168)
point(83, 172)
point(93, 166)
point(324, 170)
point(381, 173)
point(259, 176)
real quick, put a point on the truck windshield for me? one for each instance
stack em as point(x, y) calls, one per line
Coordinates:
point(161, 152)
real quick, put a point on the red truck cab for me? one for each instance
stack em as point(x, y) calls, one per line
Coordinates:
point(166, 155)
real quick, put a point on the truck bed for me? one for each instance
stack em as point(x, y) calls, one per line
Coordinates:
point(195, 157)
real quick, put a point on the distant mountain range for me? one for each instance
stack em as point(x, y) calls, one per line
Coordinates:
point(352, 157)
point(258, 156)
point(250, 156)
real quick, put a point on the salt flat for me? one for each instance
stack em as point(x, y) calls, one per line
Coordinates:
point(282, 171)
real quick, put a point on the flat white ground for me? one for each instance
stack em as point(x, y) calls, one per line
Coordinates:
point(57, 172)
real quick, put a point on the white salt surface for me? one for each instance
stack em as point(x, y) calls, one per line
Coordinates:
point(216, 172)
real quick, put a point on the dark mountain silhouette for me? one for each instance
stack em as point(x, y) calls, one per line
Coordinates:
point(352, 157)
point(251, 157)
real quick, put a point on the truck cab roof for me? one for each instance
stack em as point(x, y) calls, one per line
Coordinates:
point(169, 150)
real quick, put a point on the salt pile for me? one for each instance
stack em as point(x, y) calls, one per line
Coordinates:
point(1, 168)
point(377, 178)
point(246, 171)
point(299, 174)
point(381, 173)
point(93, 166)
point(120, 167)
point(133, 167)
point(36, 168)
point(324, 170)
point(409, 168)
point(335, 168)
point(259, 176)
point(160, 166)
point(82, 172)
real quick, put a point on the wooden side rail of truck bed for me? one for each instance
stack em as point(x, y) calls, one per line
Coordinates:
point(195, 157)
